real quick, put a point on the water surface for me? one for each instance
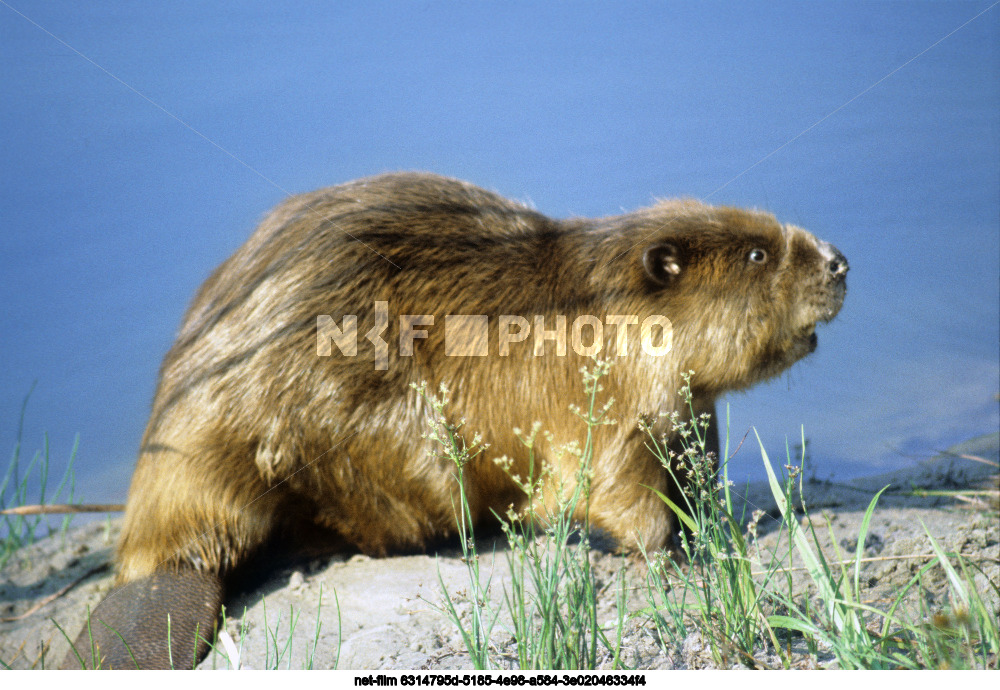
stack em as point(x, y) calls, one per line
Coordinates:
point(141, 143)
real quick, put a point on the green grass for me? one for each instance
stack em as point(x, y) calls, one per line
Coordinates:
point(960, 634)
point(28, 483)
point(709, 585)
point(477, 633)
point(278, 643)
point(726, 581)
point(551, 601)
point(720, 585)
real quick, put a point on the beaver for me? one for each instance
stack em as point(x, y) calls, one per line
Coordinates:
point(284, 410)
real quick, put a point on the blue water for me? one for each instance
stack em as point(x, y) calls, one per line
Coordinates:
point(137, 160)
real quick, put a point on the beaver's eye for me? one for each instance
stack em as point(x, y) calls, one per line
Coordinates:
point(757, 256)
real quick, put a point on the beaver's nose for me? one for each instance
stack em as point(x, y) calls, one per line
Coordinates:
point(836, 262)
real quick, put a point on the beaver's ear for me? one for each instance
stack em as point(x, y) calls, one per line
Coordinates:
point(662, 263)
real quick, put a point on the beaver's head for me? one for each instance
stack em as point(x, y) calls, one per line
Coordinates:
point(743, 292)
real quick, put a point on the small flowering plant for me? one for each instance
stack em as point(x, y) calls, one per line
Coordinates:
point(713, 564)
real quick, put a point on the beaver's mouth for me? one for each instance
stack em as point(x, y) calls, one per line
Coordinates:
point(808, 338)
point(835, 301)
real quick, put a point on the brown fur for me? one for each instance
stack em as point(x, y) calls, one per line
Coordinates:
point(253, 434)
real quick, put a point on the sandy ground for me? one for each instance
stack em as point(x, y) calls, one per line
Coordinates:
point(361, 613)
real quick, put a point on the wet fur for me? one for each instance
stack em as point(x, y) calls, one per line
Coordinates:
point(255, 438)
point(252, 434)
